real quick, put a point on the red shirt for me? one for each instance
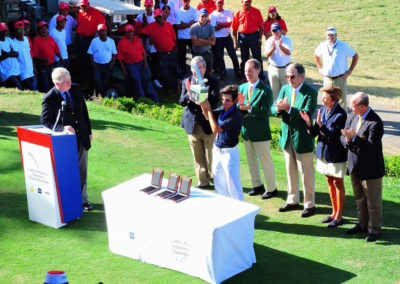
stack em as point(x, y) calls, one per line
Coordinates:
point(268, 24)
point(210, 6)
point(247, 22)
point(45, 48)
point(163, 36)
point(130, 52)
point(30, 44)
point(88, 21)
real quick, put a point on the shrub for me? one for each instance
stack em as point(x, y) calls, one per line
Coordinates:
point(392, 166)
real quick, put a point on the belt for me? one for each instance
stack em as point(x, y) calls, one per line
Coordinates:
point(223, 149)
point(166, 52)
point(335, 77)
point(279, 67)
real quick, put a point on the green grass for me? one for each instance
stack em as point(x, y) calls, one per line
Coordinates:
point(288, 248)
point(371, 27)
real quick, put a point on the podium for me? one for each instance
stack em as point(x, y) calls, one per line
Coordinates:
point(51, 168)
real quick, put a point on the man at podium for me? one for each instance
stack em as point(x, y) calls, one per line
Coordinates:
point(74, 118)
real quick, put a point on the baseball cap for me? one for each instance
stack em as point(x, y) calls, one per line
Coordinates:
point(220, 1)
point(3, 27)
point(246, 1)
point(157, 12)
point(101, 27)
point(83, 2)
point(128, 28)
point(61, 18)
point(203, 11)
point(42, 23)
point(26, 22)
point(331, 31)
point(148, 2)
point(19, 25)
point(275, 27)
point(64, 5)
point(272, 8)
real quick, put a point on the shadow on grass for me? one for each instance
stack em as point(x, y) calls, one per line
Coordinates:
point(274, 266)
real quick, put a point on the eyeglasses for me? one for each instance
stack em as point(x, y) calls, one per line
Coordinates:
point(291, 76)
point(275, 31)
point(204, 16)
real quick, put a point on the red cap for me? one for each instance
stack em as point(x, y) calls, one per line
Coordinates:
point(101, 27)
point(42, 23)
point(148, 2)
point(26, 22)
point(61, 18)
point(272, 8)
point(3, 27)
point(128, 28)
point(157, 12)
point(83, 2)
point(19, 25)
point(245, 1)
point(220, 1)
point(64, 5)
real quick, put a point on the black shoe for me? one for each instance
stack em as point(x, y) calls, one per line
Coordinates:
point(335, 223)
point(87, 206)
point(327, 219)
point(257, 190)
point(203, 186)
point(355, 230)
point(308, 212)
point(371, 237)
point(288, 207)
point(268, 195)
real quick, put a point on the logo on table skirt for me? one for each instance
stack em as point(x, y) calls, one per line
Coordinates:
point(132, 235)
point(39, 190)
point(32, 189)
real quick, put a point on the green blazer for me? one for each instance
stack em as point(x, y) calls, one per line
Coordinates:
point(256, 123)
point(292, 123)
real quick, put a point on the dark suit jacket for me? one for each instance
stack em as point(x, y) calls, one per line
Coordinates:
point(329, 145)
point(292, 123)
point(365, 156)
point(78, 118)
point(193, 114)
point(256, 123)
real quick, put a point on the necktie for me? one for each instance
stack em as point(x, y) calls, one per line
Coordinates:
point(250, 92)
point(293, 98)
point(359, 123)
point(68, 100)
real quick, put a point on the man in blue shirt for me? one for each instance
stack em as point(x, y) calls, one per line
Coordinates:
point(226, 121)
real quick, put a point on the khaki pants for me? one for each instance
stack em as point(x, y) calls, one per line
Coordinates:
point(277, 78)
point(304, 163)
point(202, 145)
point(260, 151)
point(368, 197)
point(341, 83)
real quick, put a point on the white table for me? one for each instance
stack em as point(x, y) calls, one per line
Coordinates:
point(207, 235)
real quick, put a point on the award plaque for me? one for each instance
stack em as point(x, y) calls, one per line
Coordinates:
point(184, 190)
point(172, 186)
point(156, 180)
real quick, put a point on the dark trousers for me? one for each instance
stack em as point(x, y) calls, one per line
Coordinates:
point(142, 80)
point(13, 81)
point(220, 44)
point(101, 74)
point(29, 83)
point(44, 77)
point(168, 69)
point(249, 42)
point(182, 47)
point(82, 44)
point(208, 57)
point(65, 65)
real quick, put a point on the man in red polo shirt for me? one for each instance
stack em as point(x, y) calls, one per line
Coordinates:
point(132, 59)
point(207, 4)
point(248, 22)
point(88, 19)
point(163, 37)
point(44, 48)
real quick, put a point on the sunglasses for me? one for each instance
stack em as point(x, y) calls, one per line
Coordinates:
point(291, 76)
point(275, 31)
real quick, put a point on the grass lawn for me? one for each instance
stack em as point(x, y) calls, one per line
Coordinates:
point(288, 248)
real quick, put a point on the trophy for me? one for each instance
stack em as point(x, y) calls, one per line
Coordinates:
point(198, 92)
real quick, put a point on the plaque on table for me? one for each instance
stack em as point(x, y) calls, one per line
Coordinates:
point(156, 181)
point(184, 190)
point(172, 186)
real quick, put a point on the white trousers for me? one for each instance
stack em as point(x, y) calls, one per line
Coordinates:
point(226, 171)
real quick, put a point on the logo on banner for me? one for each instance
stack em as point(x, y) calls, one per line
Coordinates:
point(132, 235)
point(39, 190)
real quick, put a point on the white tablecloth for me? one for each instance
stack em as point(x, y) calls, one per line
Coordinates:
point(207, 235)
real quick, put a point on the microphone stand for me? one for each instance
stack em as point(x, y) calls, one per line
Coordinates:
point(60, 111)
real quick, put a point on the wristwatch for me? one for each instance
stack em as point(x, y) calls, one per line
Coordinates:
point(349, 71)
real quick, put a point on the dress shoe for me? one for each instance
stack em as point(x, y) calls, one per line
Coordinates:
point(288, 207)
point(327, 219)
point(203, 186)
point(371, 237)
point(87, 206)
point(268, 195)
point(308, 212)
point(257, 190)
point(355, 230)
point(335, 223)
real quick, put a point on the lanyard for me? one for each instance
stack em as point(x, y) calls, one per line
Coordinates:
point(222, 115)
point(333, 48)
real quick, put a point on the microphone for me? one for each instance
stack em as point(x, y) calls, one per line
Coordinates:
point(61, 110)
point(63, 104)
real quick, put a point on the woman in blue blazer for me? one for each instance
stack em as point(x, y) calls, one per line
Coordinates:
point(331, 155)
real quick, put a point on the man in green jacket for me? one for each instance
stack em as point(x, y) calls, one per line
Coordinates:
point(297, 144)
point(255, 130)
